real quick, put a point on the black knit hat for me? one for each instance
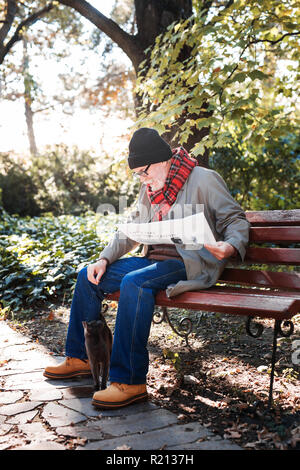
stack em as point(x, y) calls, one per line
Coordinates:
point(146, 146)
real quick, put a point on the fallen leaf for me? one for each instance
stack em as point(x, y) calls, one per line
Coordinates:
point(251, 445)
point(80, 441)
point(190, 379)
point(232, 435)
point(50, 316)
point(262, 369)
point(171, 389)
point(181, 417)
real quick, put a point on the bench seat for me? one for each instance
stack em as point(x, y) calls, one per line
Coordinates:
point(260, 304)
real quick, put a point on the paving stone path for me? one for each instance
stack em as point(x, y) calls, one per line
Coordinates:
point(41, 414)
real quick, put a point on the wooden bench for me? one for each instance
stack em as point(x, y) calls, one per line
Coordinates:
point(264, 293)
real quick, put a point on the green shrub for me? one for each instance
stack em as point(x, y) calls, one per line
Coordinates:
point(63, 181)
point(40, 256)
point(266, 180)
point(18, 192)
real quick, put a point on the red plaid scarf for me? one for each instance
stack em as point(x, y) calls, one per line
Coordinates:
point(181, 166)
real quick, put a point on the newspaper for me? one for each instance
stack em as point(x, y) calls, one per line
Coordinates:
point(192, 230)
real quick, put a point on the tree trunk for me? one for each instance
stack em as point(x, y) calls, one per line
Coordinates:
point(152, 19)
point(30, 129)
point(28, 101)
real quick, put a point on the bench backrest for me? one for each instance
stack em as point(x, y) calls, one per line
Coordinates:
point(274, 241)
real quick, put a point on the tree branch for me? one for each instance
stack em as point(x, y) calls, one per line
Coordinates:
point(124, 40)
point(17, 36)
point(11, 9)
point(228, 4)
point(246, 47)
point(255, 41)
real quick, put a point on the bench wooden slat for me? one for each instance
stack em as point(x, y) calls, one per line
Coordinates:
point(227, 289)
point(276, 217)
point(274, 234)
point(234, 304)
point(263, 306)
point(288, 256)
point(262, 278)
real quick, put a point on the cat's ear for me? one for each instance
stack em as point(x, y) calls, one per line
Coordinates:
point(84, 324)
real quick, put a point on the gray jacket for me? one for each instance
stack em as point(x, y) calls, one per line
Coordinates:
point(223, 214)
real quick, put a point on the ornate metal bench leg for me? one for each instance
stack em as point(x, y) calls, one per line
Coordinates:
point(161, 316)
point(273, 361)
point(277, 330)
point(185, 325)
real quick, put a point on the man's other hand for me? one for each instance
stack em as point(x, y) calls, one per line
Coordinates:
point(221, 250)
point(96, 270)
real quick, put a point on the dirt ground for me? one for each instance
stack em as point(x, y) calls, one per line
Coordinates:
point(221, 380)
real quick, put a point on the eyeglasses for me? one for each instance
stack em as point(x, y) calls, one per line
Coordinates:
point(142, 172)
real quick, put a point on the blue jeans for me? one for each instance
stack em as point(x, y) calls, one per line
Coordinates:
point(138, 280)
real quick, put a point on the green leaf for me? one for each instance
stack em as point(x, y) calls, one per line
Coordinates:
point(257, 74)
point(237, 113)
point(239, 77)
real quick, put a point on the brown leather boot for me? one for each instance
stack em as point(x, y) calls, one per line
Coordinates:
point(71, 367)
point(118, 395)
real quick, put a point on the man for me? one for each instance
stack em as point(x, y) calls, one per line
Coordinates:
point(170, 180)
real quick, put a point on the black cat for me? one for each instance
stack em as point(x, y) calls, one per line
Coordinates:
point(98, 344)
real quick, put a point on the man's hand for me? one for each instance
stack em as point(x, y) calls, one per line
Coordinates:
point(221, 250)
point(96, 270)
